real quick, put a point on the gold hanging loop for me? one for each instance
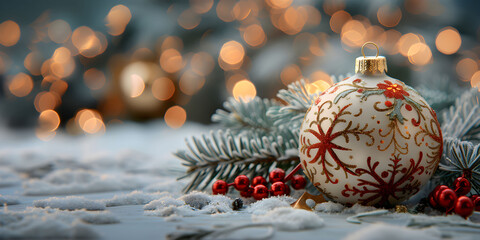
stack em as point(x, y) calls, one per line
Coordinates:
point(371, 43)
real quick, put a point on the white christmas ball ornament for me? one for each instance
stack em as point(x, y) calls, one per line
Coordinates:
point(370, 139)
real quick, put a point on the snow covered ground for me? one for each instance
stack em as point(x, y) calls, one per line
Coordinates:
point(122, 185)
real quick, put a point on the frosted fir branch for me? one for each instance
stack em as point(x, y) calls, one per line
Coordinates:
point(224, 155)
point(298, 100)
point(240, 115)
point(460, 158)
point(462, 120)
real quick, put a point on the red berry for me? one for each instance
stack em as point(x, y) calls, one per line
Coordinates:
point(220, 187)
point(476, 203)
point(447, 199)
point(462, 186)
point(388, 103)
point(276, 175)
point(247, 193)
point(432, 201)
point(464, 206)
point(241, 183)
point(260, 192)
point(437, 191)
point(298, 182)
point(287, 190)
point(278, 189)
point(258, 180)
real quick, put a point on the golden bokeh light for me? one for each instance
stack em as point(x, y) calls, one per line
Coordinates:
point(279, 4)
point(416, 6)
point(171, 61)
point(313, 15)
point(163, 88)
point(175, 117)
point(389, 16)
point(94, 78)
point(46, 100)
point(317, 87)
point(201, 6)
point(225, 10)
point(172, 42)
point(475, 81)
point(33, 63)
point(62, 64)
point(448, 40)
point(419, 54)
point(21, 85)
point(190, 83)
point(406, 42)
point(202, 63)
point(9, 33)
point(188, 19)
point(90, 121)
point(137, 85)
point(466, 68)
point(244, 90)
point(59, 31)
point(290, 73)
point(254, 35)
point(118, 19)
point(391, 38)
point(88, 43)
point(59, 87)
point(232, 53)
point(353, 33)
point(245, 9)
point(320, 76)
point(233, 78)
point(48, 121)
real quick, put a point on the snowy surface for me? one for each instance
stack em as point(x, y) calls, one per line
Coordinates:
point(122, 185)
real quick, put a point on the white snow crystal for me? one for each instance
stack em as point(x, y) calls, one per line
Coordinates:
point(267, 204)
point(67, 181)
point(290, 219)
point(133, 198)
point(329, 207)
point(381, 231)
point(358, 208)
point(192, 204)
point(8, 200)
point(51, 223)
point(70, 203)
point(8, 177)
point(163, 202)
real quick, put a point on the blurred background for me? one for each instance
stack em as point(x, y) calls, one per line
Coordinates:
point(82, 66)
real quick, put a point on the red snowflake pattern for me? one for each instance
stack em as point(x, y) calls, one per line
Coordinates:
point(325, 144)
point(384, 186)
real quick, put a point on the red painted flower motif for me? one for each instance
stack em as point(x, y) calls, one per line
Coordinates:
point(393, 90)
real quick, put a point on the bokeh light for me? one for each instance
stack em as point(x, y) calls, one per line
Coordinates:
point(21, 85)
point(254, 35)
point(9, 33)
point(175, 116)
point(202, 63)
point(163, 88)
point(448, 41)
point(290, 74)
point(389, 16)
point(59, 31)
point(94, 78)
point(189, 19)
point(117, 19)
point(171, 61)
point(201, 6)
point(90, 121)
point(232, 53)
point(46, 100)
point(419, 54)
point(244, 90)
point(48, 121)
point(190, 83)
point(475, 81)
point(466, 68)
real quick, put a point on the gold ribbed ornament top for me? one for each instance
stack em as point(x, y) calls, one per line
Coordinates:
point(370, 65)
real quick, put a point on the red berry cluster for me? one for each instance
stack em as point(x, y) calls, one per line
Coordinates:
point(258, 187)
point(454, 200)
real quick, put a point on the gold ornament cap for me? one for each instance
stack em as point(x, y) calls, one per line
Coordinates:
point(370, 65)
